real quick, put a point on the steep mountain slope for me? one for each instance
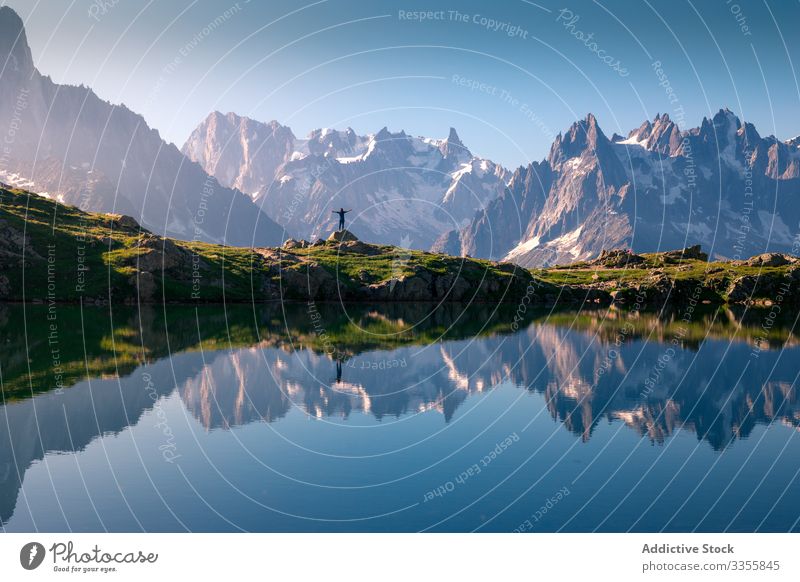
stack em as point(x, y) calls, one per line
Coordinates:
point(67, 142)
point(721, 185)
point(240, 152)
point(404, 190)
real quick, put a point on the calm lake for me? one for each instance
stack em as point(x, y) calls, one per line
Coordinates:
point(397, 418)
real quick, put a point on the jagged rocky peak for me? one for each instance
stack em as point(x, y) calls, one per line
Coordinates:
point(14, 49)
point(727, 125)
point(642, 132)
point(275, 126)
point(453, 150)
point(665, 136)
point(661, 135)
point(452, 137)
point(725, 116)
point(331, 142)
point(218, 119)
point(584, 135)
point(220, 126)
point(453, 147)
point(251, 127)
point(661, 122)
point(393, 147)
point(383, 134)
point(750, 134)
point(532, 179)
point(721, 128)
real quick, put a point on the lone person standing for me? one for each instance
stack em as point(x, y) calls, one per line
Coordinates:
point(341, 212)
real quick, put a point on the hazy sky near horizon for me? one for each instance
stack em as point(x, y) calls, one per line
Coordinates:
point(507, 75)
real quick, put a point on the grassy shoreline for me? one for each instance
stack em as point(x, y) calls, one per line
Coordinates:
point(51, 253)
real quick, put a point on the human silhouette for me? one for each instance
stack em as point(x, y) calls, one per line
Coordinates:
point(338, 371)
point(341, 212)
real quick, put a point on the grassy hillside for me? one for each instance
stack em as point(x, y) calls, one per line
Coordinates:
point(49, 251)
point(55, 253)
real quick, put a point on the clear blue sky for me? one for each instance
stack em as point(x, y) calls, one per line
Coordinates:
point(340, 62)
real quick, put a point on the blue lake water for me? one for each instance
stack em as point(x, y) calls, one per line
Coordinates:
point(218, 419)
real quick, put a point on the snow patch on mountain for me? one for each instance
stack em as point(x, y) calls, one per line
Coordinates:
point(523, 248)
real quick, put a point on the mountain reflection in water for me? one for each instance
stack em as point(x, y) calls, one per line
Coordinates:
point(719, 377)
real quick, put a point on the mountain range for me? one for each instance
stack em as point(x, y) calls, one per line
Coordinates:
point(247, 183)
point(720, 185)
point(404, 190)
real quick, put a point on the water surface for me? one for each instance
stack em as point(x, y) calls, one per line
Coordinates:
point(396, 418)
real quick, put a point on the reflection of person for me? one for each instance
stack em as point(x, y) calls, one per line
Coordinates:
point(341, 212)
point(338, 371)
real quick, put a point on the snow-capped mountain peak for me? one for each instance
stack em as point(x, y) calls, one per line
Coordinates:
point(660, 188)
point(403, 187)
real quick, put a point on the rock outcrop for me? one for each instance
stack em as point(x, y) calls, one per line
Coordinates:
point(342, 236)
point(617, 258)
point(770, 260)
point(777, 288)
point(689, 253)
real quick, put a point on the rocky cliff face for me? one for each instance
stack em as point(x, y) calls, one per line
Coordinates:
point(241, 153)
point(69, 144)
point(721, 185)
point(404, 190)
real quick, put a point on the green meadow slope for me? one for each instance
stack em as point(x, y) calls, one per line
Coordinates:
point(50, 252)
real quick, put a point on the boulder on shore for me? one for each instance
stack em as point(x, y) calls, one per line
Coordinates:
point(342, 236)
point(694, 252)
point(617, 258)
point(123, 222)
point(769, 260)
